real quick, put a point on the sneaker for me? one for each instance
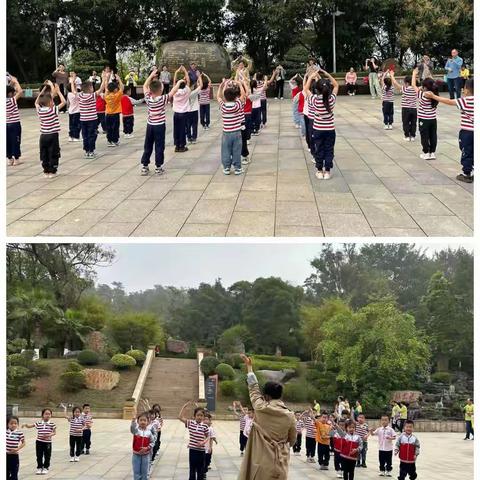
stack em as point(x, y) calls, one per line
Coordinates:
point(319, 174)
point(390, 127)
point(126, 135)
point(364, 465)
point(256, 134)
point(177, 149)
point(241, 453)
point(467, 179)
point(70, 139)
point(238, 171)
point(407, 139)
point(226, 171)
point(76, 459)
point(193, 141)
point(10, 162)
point(46, 175)
point(425, 156)
point(385, 127)
point(312, 159)
point(144, 171)
point(340, 475)
point(388, 474)
point(381, 474)
point(412, 139)
point(281, 98)
point(39, 471)
point(433, 156)
point(110, 144)
point(248, 142)
point(72, 459)
point(87, 452)
point(116, 144)
point(245, 160)
point(86, 155)
point(208, 127)
point(159, 171)
point(326, 176)
point(45, 471)
point(76, 139)
point(17, 162)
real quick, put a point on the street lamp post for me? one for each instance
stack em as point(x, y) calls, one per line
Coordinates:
point(335, 14)
point(51, 22)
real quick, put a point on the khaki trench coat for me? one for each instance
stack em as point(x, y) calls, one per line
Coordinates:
point(268, 448)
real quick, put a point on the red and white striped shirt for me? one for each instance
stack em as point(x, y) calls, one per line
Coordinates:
point(76, 426)
point(14, 439)
point(263, 93)
point(361, 430)
point(88, 106)
point(49, 122)
point(387, 95)
point(409, 97)
point(12, 110)
point(311, 430)
point(156, 108)
point(323, 120)
point(204, 96)
point(310, 109)
point(232, 115)
point(88, 419)
point(465, 105)
point(242, 418)
point(425, 108)
point(44, 430)
point(198, 433)
point(299, 425)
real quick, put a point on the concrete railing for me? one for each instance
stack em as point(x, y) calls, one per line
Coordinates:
point(201, 378)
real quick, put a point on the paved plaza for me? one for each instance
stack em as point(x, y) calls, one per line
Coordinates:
point(444, 456)
point(380, 186)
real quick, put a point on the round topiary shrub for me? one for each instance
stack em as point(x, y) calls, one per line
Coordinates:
point(234, 359)
point(16, 360)
point(227, 388)
point(28, 354)
point(40, 368)
point(208, 365)
point(122, 361)
point(72, 381)
point(225, 372)
point(73, 367)
point(88, 357)
point(440, 377)
point(138, 355)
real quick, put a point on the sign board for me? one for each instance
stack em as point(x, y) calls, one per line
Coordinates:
point(211, 392)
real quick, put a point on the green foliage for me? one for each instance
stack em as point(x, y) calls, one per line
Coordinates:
point(122, 361)
point(28, 354)
point(241, 388)
point(72, 381)
point(53, 353)
point(16, 345)
point(40, 368)
point(227, 388)
point(284, 364)
point(16, 360)
point(300, 392)
point(138, 355)
point(442, 377)
point(18, 380)
point(277, 358)
point(88, 357)
point(83, 62)
point(225, 371)
point(73, 367)
point(234, 360)
point(208, 365)
point(233, 337)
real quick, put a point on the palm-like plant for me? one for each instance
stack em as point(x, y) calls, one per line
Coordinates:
point(72, 326)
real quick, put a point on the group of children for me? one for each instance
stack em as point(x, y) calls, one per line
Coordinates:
point(80, 438)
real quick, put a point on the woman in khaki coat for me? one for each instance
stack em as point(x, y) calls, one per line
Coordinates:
point(273, 432)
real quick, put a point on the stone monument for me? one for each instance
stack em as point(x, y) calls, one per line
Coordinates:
point(211, 57)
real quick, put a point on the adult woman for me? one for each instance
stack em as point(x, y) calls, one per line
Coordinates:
point(280, 79)
point(373, 82)
point(60, 76)
point(425, 68)
point(131, 80)
point(165, 78)
point(95, 79)
point(350, 81)
point(357, 410)
point(243, 68)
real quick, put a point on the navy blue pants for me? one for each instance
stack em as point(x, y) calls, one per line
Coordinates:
point(113, 127)
point(192, 125)
point(308, 132)
point(323, 148)
point(387, 109)
point(205, 115)
point(154, 136)
point(101, 121)
point(246, 134)
point(14, 139)
point(263, 108)
point(179, 129)
point(13, 464)
point(409, 120)
point(465, 142)
point(89, 134)
point(256, 119)
point(74, 125)
point(128, 124)
point(49, 152)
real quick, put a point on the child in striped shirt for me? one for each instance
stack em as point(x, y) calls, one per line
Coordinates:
point(198, 437)
point(46, 429)
point(300, 425)
point(77, 426)
point(212, 437)
point(14, 127)
point(351, 446)
point(14, 443)
point(409, 107)
point(204, 101)
point(87, 432)
point(242, 414)
point(263, 82)
point(387, 101)
point(362, 430)
point(49, 127)
point(157, 421)
point(73, 112)
point(192, 114)
point(310, 434)
point(143, 441)
point(465, 137)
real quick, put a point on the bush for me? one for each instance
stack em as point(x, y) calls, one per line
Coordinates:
point(74, 367)
point(28, 354)
point(300, 392)
point(442, 377)
point(263, 364)
point(234, 360)
point(40, 368)
point(275, 358)
point(122, 361)
point(138, 355)
point(18, 381)
point(72, 381)
point(241, 388)
point(52, 353)
point(227, 388)
point(225, 371)
point(88, 357)
point(16, 360)
point(208, 365)
point(16, 345)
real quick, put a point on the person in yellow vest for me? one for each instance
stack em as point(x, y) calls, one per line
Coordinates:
point(468, 411)
point(465, 75)
point(403, 415)
point(395, 415)
point(316, 407)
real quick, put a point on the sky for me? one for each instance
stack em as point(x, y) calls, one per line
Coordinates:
point(141, 266)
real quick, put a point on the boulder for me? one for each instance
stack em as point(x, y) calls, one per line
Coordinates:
point(211, 57)
point(98, 379)
point(273, 375)
point(408, 396)
point(177, 346)
point(97, 342)
point(71, 354)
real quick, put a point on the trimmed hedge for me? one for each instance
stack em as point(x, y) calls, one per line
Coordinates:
point(234, 360)
point(122, 361)
point(138, 355)
point(16, 360)
point(74, 367)
point(88, 357)
point(40, 368)
point(299, 392)
point(72, 381)
point(208, 365)
point(225, 371)
point(227, 388)
point(442, 377)
point(260, 364)
point(275, 358)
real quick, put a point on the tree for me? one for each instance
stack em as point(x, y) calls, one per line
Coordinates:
point(233, 337)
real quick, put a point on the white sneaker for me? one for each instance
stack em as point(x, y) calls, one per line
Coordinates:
point(381, 474)
point(76, 139)
point(76, 459)
point(433, 156)
point(72, 459)
point(245, 160)
point(319, 174)
point(339, 475)
point(407, 139)
point(45, 471)
point(241, 454)
point(70, 139)
point(385, 127)
point(39, 471)
point(412, 139)
point(226, 171)
point(313, 160)
point(425, 156)
point(326, 175)
point(388, 474)
point(281, 98)
point(390, 127)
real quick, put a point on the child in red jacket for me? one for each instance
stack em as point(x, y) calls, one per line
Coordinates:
point(127, 112)
point(351, 446)
point(143, 442)
point(101, 106)
point(407, 448)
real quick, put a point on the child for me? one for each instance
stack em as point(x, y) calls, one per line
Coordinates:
point(242, 417)
point(351, 81)
point(247, 124)
point(338, 432)
point(387, 101)
point(308, 117)
point(158, 423)
point(14, 443)
point(248, 423)
point(231, 97)
point(113, 100)
point(100, 107)
point(351, 445)
point(296, 87)
point(323, 440)
point(204, 101)
point(77, 425)
point(323, 128)
point(198, 432)
point(46, 429)
point(181, 106)
point(212, 437)
point(192, 114)
point(386, 435)
point(427, 116)
point(465, 138)
point(310, 434)
point(362, 430)
point(14, 127)
point(73, 112)
point(409, 107)
point(49, 127)
point(407, 448)
point(87, 432)
point(263, 83)
point(128, 118)
point(143, 440)
point(299, 425)
point(255, 99)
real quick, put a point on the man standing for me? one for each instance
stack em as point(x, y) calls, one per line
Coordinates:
point(468, 410)
point(280, 78)
point(273, 432)
point(373, 82)
point(454, 79)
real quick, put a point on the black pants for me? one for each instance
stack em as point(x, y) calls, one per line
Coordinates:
point(387, 109)
point(133, 90)
point(263, 110)
point(113, 127)
point(197, 464)
point(323, 148)
point(13, 464)
point(428, 134)
point(156, 445)
point(385, 460)
point(14, 139)
point(351, 88)
point(208, 461)
point(362, 454)
point(63, 89)
point(44, 454)
point(297, 446)
point(323, 454)
point(468, 423)
point(243, 441)
point(337, 461)
point(86, 439)
point(256, 119)
point(102, 121)
point(409, 121)
point(75, 446)
point(154, 136)
point(308, 132)
point(407, 469)
point(128, 123)
point(192, 125)
point(348, 468)
point(49, 152)
point(74, 125)
point(279, 88)
point(179, 137)
point(465, 142)
point(166, 88)
point(205, 115)
point(310, 444)
point(89, 134)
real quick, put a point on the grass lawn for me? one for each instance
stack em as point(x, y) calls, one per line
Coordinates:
point(48, 394)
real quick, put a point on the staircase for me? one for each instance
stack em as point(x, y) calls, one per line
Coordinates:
point(171, 382)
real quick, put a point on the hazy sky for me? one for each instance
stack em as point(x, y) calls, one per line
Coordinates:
point(140, 266)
